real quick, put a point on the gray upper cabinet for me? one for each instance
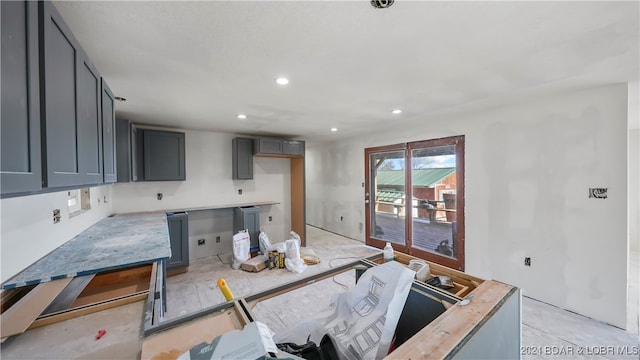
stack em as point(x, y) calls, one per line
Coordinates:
point(275, 146)
point(20, 166)
point(164, 155)
point(71, 126)
point(108, 134)
point(268, 146)
point(149, 155)
point(123, 150)
point(89, 124)
point(293, 147)
point(242, 159)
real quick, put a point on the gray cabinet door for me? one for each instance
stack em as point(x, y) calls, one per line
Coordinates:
point(179, 239)
point(268, 146)
point(123, 150)
point(293, 147)
point(20, 166)
point(242, 159)
point(89, 123)
point(164, 155)
point(71, 119)
point(248, 218)
point(108, 134)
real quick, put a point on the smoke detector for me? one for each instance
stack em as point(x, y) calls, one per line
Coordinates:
point(381, 4)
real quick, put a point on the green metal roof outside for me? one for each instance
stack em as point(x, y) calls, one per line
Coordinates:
point(421, 177)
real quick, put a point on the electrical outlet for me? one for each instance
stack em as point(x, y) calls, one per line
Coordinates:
point(200, 242)
point(527, 261)
point(270, 218)
point(598, 193)
point(159, 196)
point(56, 216)
point(217, 239)
point(239, 191)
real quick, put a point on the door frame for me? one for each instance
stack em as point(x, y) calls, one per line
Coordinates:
point(459, 143)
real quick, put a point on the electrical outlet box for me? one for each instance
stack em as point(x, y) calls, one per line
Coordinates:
point(56, 216)
point(598, 193)
point(270, 218)
point(527, 261)
point(159, 196)
point(200, 242)
point(217, 239)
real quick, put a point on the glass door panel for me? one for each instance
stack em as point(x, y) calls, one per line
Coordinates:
point(387, 203)
point(433, 190)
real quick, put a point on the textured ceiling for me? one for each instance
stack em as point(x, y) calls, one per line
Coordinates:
point(195, 65)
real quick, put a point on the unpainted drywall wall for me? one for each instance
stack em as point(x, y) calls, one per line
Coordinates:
point(28, 232)
point(209, 183)
point(634, 193)
point(634, 166)
point(528, 168)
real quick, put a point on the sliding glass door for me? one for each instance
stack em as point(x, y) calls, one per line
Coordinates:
point(415, 199)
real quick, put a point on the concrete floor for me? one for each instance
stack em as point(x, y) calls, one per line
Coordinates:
point(545, 328)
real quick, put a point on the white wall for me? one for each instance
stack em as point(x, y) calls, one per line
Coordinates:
point(528, 167)
point(634, 165)
point(209, 183)
point(27, 231)
point(634, 194)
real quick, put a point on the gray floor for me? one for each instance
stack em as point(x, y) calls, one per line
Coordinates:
point(546, 330)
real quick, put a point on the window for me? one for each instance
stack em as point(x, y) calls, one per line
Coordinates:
point(78, 201)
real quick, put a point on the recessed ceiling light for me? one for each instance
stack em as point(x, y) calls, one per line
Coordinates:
point(396, 111)
point(241, 116)
point(282, 81)
point(334, 129)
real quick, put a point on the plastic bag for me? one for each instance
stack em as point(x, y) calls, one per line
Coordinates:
point(294, 235)
point(295, 265)
point(240, 248)
point(292, 249)
point(264, 243)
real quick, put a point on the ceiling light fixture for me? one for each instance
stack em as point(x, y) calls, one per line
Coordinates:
point(282, 81)
point(381, 4)
point(396, 111)
point(334, 129)
point(241, 116)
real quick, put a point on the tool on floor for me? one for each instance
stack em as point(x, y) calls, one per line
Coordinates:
point(101, 333)
point(222, 284)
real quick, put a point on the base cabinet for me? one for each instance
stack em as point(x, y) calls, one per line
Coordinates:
point(248, 218)
point(179, 239)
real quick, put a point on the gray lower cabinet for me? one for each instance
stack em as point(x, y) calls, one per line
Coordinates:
point(108, 134)
point(248, 218)
point(179, 238)
point(164, 155)
point(242, 159)
point(20, 166)
point(71, 121)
